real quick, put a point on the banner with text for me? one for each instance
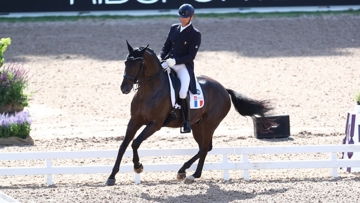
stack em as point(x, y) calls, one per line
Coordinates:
point(13, 6)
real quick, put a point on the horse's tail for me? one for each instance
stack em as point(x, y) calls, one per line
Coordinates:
point(251, 107)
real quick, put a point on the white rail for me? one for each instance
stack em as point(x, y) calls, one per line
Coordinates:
point(333, 163)
point(6, 198)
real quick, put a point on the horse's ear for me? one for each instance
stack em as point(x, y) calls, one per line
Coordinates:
point(129, 47)
point(144, 49)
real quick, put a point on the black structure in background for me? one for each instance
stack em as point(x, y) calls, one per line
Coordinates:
point(20, 6)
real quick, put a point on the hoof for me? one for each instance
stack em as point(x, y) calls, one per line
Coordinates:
point(140, 169)
point(189, 179)
point(181, 176)
point(110, 182)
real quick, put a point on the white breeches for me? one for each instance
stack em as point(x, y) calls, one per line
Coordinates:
point(184, 77)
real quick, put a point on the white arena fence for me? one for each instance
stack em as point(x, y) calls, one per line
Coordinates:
point(333, 163)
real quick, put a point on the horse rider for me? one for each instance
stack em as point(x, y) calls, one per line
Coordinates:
point(179, 51)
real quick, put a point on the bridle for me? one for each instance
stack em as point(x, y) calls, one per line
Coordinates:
point(135, 79)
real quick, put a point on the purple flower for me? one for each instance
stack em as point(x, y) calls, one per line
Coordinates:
point(19, 118)
point(22, 117)
point(13, 81)
point(4, 120)
point(3, 76)
point(13, 74)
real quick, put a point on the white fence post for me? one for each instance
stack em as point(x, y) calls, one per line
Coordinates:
point(137, 178)
point(333, 171)
point(245, 172)
point(225, 173)
point(48, 163)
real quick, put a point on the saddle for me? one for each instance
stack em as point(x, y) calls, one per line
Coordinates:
point(196, 100)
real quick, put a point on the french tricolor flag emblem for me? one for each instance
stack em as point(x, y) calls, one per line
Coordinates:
point(198, 102)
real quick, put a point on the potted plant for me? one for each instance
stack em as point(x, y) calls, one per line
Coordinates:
point(14, 121)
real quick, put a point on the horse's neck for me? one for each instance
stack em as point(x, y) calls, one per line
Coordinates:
point(157, 89)
point(154, 80)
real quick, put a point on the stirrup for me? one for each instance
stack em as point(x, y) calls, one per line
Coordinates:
point(186, 128)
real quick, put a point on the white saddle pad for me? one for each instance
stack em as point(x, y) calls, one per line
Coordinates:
point(196, 100)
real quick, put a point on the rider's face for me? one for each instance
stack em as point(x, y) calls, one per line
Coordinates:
point(185, 21)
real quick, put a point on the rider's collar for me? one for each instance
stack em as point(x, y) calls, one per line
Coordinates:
point(183, 28)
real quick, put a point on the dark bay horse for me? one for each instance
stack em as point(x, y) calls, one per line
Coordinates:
point(151, 107)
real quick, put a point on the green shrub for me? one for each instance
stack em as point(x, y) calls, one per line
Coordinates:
point(13, 80)
point(13, 83)
point(4, 43)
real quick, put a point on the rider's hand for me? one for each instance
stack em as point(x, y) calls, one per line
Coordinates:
point(164, 65)
point(171, 62)
point(160, 59)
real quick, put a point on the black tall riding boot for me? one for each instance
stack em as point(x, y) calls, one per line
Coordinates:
point(185, 108)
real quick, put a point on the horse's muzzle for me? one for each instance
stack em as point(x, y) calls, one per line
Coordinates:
point(125, 89)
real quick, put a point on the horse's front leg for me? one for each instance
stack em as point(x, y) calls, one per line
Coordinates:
point(150, 129)
point(131, 130)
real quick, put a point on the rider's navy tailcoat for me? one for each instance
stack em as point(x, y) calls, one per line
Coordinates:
point(183, 47)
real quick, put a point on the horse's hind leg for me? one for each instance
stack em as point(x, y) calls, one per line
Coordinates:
point(182, 171)
point(204, 140)
point(204, 148)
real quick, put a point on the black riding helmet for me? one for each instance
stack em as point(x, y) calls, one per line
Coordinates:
point(186, 10)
